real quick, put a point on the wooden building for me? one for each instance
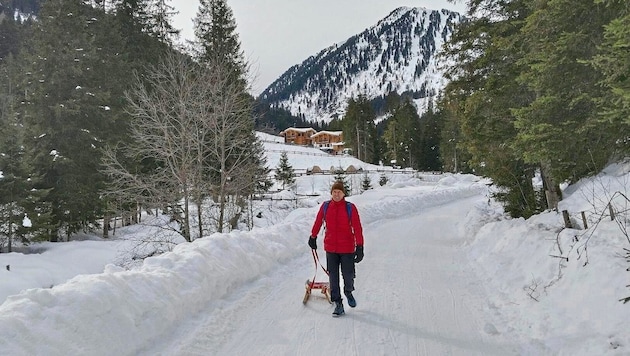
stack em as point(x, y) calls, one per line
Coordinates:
point(329, 141)
point(298, 136)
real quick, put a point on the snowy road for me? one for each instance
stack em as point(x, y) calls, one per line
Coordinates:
point(415, 296)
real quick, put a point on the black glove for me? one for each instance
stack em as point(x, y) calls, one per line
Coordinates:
point(358, 254)
point(312, 243)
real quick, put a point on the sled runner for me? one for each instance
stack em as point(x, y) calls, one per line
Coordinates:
point(324, 287)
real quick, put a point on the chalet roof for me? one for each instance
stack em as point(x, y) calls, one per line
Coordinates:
point(299, 129)
point(331, 133)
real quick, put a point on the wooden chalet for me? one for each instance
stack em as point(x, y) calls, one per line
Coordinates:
point(329, 141)
point(298, 136)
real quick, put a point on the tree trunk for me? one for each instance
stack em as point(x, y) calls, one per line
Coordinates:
point(9, 243)
point(199, 215)
point(106, 220)
point(186, 221)
point(221, 211)
point(135, 216)
point(53, 236)
point(552, 189)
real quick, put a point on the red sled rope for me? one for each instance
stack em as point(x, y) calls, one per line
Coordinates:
point(324, 287)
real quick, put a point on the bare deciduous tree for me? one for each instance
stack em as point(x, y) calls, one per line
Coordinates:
point(191, 138)
point(159, 151)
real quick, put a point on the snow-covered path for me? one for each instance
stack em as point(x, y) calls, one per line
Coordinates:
point(415, 294)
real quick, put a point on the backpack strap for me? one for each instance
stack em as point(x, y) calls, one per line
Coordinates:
point(348, 209)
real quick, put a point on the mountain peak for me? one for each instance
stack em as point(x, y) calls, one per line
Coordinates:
point(398, 54)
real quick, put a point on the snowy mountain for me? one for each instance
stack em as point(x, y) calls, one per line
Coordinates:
point(398, 54)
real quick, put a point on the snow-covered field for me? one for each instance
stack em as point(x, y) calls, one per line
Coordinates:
point(445, 273)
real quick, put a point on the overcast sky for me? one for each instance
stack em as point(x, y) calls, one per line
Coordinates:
point(277, 34)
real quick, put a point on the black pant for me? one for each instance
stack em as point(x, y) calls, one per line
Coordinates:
point(346, 261)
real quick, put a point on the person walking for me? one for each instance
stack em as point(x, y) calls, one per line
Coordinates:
point(343, 243)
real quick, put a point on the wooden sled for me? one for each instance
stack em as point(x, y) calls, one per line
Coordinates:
point(324, 287)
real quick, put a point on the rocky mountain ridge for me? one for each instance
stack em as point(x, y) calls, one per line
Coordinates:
point(398, 54)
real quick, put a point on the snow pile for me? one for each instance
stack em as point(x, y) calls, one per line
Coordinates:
point(166, 290)
point(556, 286)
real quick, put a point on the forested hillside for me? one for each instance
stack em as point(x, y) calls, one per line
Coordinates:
point(538, 88)
point(97, 105)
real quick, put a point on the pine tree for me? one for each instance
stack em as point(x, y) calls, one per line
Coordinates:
point(366, 182)
point(403, 136)
point(261, 174)
point(14, 183)
point(18, 194)
point(10, 37)
point(340, 176)
point(161, 16)
point(613, 63)
point(430, 128)
point(453, 154)
point(284, 171)
point(68, 110)
point(216, 39)
point(383, 180)
point(359, 130)
point(479, 101)
point(557, 70)
point(144, 26)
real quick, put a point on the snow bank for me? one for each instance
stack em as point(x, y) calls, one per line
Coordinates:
point(149, 300)
point(555, 286)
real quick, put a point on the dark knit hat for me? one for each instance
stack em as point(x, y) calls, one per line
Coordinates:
point(338, 185)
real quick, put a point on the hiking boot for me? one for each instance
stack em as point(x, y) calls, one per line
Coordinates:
point(338, 309)
point(351, 301)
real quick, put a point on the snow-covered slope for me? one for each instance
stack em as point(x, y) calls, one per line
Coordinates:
point(399, 54)
point(303, 158)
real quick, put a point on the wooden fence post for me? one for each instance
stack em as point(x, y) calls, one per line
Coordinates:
point(584, 221)
point(567, 220)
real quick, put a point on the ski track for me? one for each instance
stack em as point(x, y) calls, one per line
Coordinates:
point(415, 297)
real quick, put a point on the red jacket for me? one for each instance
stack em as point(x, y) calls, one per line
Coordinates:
point(341, 234)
